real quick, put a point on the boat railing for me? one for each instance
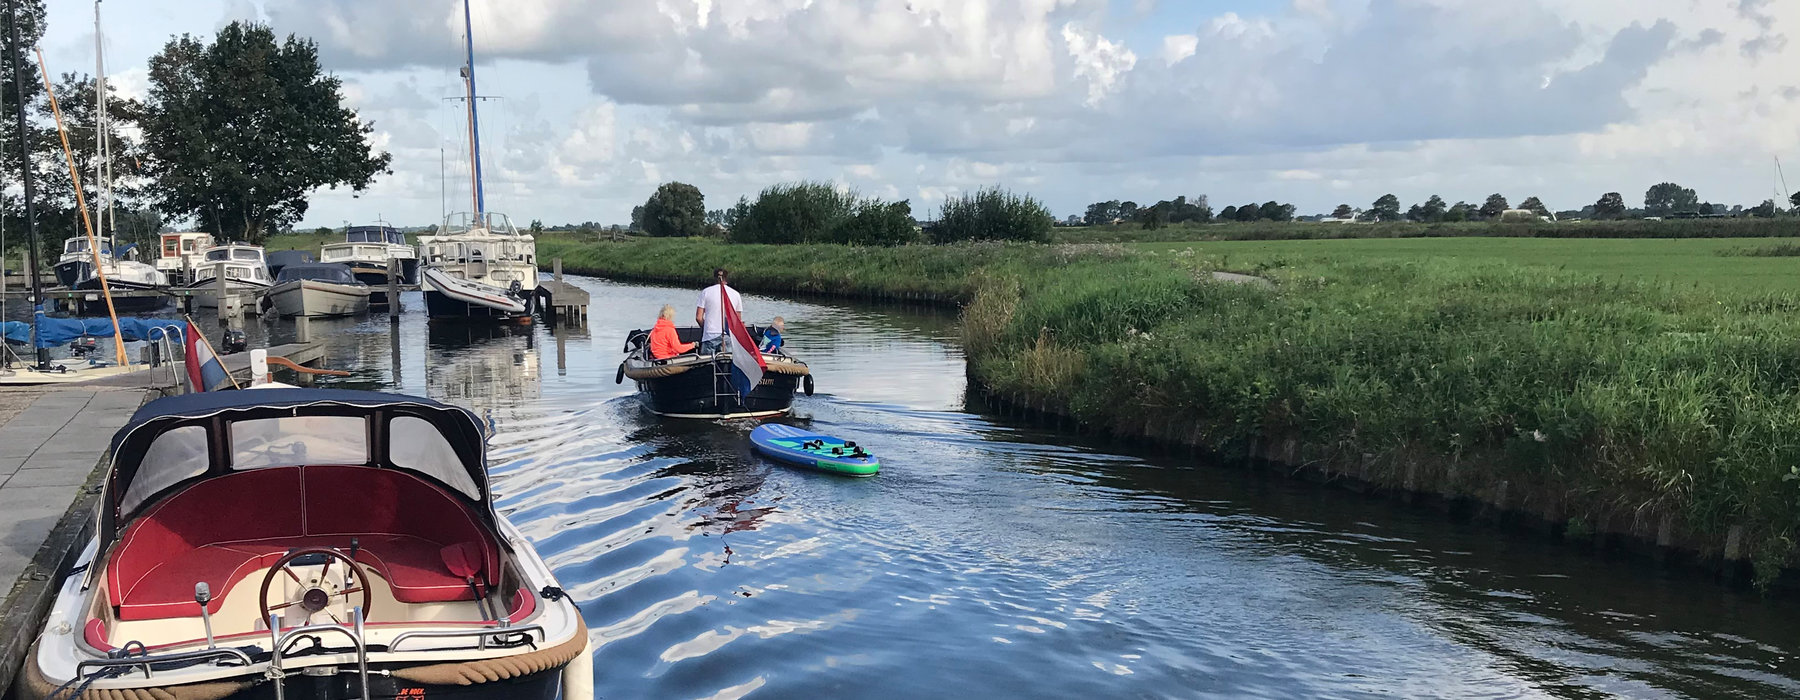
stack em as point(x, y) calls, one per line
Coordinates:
point(149, 662)
point(481, 635)
point(281, 639)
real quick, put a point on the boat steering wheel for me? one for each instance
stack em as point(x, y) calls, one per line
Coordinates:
point(316, 593)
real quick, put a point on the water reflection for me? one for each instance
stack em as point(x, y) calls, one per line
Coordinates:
point(482, 366)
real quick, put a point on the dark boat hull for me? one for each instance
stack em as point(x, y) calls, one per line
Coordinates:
point(70, 272)
point(440, 305)
point(705, 392)
point(122, 304)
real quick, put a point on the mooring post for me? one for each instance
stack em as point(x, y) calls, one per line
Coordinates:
point(302, 329)
point(556, 270)
point(393, 289)
point(219, 289)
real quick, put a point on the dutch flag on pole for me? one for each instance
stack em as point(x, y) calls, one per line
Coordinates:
point(203, 367)
point(746, 361)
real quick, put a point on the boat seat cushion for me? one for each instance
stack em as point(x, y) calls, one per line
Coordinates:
point(222, 530)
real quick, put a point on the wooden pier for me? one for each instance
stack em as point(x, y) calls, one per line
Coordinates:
point(568, 303)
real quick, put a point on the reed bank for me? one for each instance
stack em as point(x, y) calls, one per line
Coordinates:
point(1617, 413)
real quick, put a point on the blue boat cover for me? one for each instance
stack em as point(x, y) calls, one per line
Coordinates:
point(56, 331)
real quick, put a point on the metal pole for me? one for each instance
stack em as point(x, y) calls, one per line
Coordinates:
point(31, 233)
point(219, 289)
point(393, 292)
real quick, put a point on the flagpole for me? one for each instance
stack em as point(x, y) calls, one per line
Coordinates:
point(209, 348)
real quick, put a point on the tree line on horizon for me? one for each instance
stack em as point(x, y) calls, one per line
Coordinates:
point(822, 212)
point(1665, 199)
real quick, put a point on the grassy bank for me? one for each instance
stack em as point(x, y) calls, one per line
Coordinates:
point(1748, 265)
point(1610, 405)
point(1277, 231)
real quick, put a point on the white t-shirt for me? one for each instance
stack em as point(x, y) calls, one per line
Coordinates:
point(715, 315)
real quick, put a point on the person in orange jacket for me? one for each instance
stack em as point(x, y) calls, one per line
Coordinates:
point(664, 341)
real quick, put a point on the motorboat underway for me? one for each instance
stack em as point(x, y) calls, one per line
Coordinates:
point(317, 289)
point(367, 250)
point(245, 273)
point(692, 385)
point(181, 253)
point(323, 543)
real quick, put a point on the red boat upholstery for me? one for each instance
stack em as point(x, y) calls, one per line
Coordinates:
point(222, 530)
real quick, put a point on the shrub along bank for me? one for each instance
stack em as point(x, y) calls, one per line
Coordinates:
point(1607, 406)
point(1284, 231)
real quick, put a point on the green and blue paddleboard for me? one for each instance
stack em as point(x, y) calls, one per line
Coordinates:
point(802, 448)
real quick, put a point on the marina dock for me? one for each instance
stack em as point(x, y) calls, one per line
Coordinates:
point(52, 444)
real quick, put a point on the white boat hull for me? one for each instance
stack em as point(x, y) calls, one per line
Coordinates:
point(315, 298)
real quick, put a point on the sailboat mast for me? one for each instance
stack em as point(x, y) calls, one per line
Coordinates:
point(102, 179)
point(31, 233)
point(474, 121)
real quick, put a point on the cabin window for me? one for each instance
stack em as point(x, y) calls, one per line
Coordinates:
point(245, 255)
point(299, 440)
point(187, 246)
point(416, 444)
point(173, 457)
point(218, 255)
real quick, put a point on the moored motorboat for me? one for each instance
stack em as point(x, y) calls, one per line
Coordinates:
point(323, 543)
point(693, 385)
point(181, 253)
point(368, 251)
point(143, 283)
point(246, 274)
point(317, 289)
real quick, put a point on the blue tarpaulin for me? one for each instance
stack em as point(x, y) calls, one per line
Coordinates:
point(56, 331)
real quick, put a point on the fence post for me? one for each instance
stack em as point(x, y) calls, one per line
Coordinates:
point(219, 289)
point(393, 290)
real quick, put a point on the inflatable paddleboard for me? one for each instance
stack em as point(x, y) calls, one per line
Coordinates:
point(812, 450)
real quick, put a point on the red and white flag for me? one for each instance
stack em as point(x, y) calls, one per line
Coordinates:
point(747, 364)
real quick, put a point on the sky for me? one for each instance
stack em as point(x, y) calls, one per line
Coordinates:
point(1315, 102)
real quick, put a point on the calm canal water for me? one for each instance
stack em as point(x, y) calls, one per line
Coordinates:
point(996, 559)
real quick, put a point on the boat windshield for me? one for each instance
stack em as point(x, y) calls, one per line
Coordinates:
point(246, 254)
point(218, 255)
point(318, 273)
point(75, 245)
point(184, 453)
point(464, 222)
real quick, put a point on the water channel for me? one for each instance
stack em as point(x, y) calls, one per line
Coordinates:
point(999, 559)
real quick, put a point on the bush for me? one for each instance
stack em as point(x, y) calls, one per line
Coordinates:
point(803, 212)
point(877, 223)
point(818, 212)
point(993, 215)
point(676, 209)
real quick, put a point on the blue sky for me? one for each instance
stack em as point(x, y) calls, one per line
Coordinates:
point(1317, 102)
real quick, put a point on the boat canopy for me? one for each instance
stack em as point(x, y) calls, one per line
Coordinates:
point(56, 331)
point(278, 259)
point(317, 272)
point(173, 442)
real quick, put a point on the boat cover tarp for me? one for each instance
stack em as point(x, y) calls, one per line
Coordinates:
point(56, 331)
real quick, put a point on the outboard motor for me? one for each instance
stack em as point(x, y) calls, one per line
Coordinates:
point(234, 342)
point(84, 346)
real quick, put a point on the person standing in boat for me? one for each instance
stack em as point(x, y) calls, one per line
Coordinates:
point(711, 316)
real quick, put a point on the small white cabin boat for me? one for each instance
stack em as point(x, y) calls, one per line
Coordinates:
point(246, 273)
point(367, 250)
point(181, 253)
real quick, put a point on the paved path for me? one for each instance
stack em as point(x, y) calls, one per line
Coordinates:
point(47, 453)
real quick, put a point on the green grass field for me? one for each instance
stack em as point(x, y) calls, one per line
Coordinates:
point(1678, 262)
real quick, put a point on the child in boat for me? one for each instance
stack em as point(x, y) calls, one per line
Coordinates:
point(664, 341)
point(772, 341)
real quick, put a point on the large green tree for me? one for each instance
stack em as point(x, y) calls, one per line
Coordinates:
point(1495, 205)
point(1610, 206)
point(675, 209)
point(1663, 199)
point(241, 130)
point(31, 30)
point(1387, 208)
point(1536, 205)
point(56, 204)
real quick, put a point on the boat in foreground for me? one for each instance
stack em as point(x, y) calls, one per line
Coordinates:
point(318, 289)
point(313, 542)
point(692, 385)
point(808, 449)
